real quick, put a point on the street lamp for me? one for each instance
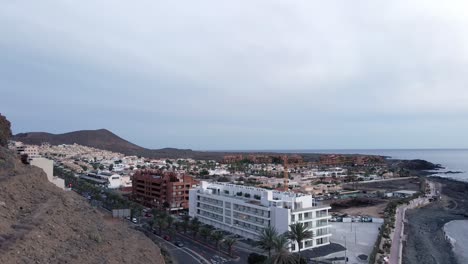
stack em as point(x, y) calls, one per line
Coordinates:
point(346, 250)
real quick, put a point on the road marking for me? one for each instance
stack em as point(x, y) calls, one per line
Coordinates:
point(194, 255)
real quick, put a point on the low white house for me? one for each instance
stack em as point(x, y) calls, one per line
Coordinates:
point(109, 179)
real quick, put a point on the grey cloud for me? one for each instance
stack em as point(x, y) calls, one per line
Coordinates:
point(212, 74)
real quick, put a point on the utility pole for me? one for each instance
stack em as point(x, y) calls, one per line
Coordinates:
point(346, 250)
point(355, 235)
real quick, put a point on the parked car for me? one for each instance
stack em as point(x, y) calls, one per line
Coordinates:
point(179, 243)
point(134, 220)
point(166, 237)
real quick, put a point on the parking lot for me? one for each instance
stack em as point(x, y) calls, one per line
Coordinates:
point(358, 238)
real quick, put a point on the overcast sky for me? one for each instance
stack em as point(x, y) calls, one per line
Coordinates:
point(240, 74)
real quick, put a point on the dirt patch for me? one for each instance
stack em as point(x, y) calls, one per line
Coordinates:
point(360, 206)
point(372, 211)
point(412, 184)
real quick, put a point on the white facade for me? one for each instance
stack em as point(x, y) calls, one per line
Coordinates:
point(47, 166)
point(115, 181)
point(246, 211)
point(111, 180)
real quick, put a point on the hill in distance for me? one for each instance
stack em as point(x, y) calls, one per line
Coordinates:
point(103, 139)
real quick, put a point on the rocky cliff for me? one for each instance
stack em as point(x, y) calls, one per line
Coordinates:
point(40, 223)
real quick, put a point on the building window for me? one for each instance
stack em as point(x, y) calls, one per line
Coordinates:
point(293, 246)
point(293, 218)
point(321, 241)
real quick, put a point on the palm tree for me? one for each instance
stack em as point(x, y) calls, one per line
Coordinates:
point(177, 226)
point(170, 221)
point(195, 227)
point(217, 237)
point(185, 222)
point(205, 232)
point(160, 223)
point(171, 233)
point(266, 239)
point(229, 242)
point(299, 233)
point(282, 254)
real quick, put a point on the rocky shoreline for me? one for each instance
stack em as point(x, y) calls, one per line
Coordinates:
point(426, 241)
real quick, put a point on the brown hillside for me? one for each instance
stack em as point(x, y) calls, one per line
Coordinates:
point(40, 223)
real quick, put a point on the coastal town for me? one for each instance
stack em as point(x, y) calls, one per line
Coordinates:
point(350, 207)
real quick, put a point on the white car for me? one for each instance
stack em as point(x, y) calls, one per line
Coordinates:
point(134, 220)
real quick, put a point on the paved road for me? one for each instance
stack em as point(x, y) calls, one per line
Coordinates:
point(210, 253)
point(179, 255)
point(397, 240)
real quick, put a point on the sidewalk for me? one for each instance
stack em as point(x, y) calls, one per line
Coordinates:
point(396, 250)
point(248, 248)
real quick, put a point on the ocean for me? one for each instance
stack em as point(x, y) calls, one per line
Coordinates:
point(451, 159)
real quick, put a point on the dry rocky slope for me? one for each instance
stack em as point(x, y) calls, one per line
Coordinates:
point(40, 223)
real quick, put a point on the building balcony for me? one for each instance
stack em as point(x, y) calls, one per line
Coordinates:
point(252, 213)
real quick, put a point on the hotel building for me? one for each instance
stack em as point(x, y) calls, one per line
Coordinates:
point(162, 190)
point(246, 211)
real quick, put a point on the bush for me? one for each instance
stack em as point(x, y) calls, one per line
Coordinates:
point(96, 237)
point(255, 258)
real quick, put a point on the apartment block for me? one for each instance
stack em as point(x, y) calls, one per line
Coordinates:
point(246, 211)
point(162, 190)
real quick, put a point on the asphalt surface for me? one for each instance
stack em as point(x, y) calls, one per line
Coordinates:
point(210, 253)
point(196, 250)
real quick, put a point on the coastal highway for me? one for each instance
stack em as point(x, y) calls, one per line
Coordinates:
point(180, 255)
point(195, 251)
point(396, 254)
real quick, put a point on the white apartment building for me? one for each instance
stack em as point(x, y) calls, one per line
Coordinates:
point(246, 211)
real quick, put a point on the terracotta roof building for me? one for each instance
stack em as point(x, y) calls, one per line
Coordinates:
point(162, 190)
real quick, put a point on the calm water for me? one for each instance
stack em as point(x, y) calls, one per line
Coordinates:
point(451, 159)
point(457, 231)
